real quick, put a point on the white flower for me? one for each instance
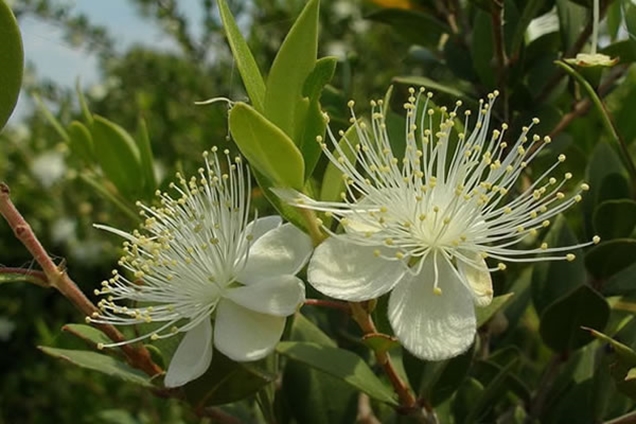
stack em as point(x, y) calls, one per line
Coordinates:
point(196, 258)
point(422, 225)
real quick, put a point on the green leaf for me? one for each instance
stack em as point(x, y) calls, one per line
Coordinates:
point(12, 60)
point(624, 50)
point(553, 279)
point(487, 312)
point(452, 92)
point(615, 218)
point(86, 113)
point(100, 362)
point(530, 11)
point(87, 333)
point(226, 381)
point(380, 342)
point(620, 360)
point(415, 27)
point(493, 391)
point(339, 363)
point(81, 141)
point(57, 126)
point(608, 258)
point(252, 79)
point(266, 147)
point(146, 158)
point(629, 17)
point(561, 322)
point(314, 121)
point(622, 283)
point(332, 182)
point(483, 50)
point(294, 61)
point(438, 380)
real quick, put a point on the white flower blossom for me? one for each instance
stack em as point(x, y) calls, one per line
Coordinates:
point(423, 225)
point(198, 267)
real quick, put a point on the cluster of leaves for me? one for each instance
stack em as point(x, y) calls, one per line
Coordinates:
point(559, 346)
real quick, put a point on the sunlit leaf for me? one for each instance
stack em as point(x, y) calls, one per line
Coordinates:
point(100, 362)
point(11, 60)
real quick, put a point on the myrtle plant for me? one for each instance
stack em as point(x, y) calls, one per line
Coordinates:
point(459, 249)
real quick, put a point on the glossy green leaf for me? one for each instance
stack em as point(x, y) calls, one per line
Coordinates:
point(251, 75)
point(608, 258)
point(620, 360)
point(226, 381)
point(483, 50)
point(100, 362)
point(561, 321)
point(117, 154)
point(437, 381)
point(494, 390)
point(314, 121)
point(487, 312)
point(624, 50)
point(266, 147)
point(615, 218)
point(530, 11)
point(87, 333)
point(81, 141)
point(315, 397)
point(553, 279)
point(146, 158)
point(629, 17)
point(622, 283)
point(12, 60)
point(339, 363)
point(294, 62)
point(410, 25)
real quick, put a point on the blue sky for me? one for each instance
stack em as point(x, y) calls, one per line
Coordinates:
point(54, 58)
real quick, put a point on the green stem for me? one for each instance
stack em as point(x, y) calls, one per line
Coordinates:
point(604, 115)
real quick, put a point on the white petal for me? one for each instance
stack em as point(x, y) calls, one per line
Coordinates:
point(262, 225)
point(347, 271)
point(245, 335)
point(478, 278)
point(281, 251)
point(193, 356)
point(430, 326)
point(278, 296)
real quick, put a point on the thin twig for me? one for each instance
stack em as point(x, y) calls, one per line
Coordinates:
point(137, 356)
point(629, 418)
point(341, 306)
point(408, 402)
point(497, 16)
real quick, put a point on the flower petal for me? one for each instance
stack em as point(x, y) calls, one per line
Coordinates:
point(430, 326)
point(478, 278)
point(347, 271)
point(278, 296)
point(262, 225)
point(193, 356)
point(281, 251)
point(245, 335)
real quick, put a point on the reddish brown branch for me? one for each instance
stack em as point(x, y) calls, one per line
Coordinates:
point(137, 356)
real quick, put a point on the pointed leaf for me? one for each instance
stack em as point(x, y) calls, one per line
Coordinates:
point(615, 218)
point(12, 60)
point(226, 381)
point(100, 362)
point(487, 312)
point(294, 62)
point(340, 363)
point(561, 322)
point(252, 79)
point(146, 158)
point(87, 333)
point(266, 147)
point(86, 113)
point(117, 155)
point(611, 257)
point(81, 141)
